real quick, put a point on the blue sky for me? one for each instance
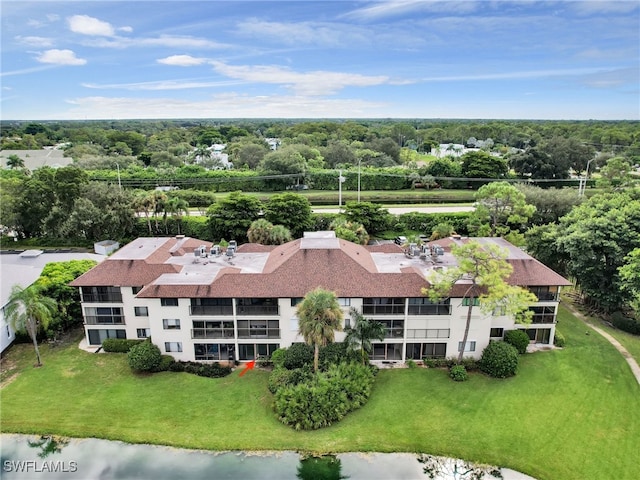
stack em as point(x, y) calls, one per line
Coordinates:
point(309, 59)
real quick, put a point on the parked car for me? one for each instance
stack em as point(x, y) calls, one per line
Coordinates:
point(400, 240)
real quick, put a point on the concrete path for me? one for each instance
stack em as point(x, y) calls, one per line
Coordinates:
point(635, 368)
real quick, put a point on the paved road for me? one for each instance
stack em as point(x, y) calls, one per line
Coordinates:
point(421, 209)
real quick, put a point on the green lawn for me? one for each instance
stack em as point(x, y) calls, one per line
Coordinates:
point(568, 414)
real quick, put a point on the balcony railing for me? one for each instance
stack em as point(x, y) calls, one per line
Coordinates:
point(258, 333)
point(429, 309)
point(428, 333)
point(257, 310)
point(394, 332)
point(383, 309)
point(102, 297)
point(104, 320)
point(544, 318)
point(211, 310)
point(212, 333)
point(545, 296)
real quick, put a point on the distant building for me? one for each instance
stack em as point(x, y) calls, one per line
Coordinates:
point(197, 303)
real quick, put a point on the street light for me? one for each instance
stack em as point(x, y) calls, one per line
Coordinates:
point(583, 180)
point(341, 180)
point(119, 183)
point(359, 161)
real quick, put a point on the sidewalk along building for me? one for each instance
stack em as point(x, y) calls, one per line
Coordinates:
point(199, 302)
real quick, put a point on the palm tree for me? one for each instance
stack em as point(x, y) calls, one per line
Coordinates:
point(144, 202)
point(176, 207)
point(364, 330)
point(319, 317)
point(14, 161)
point(27, 310)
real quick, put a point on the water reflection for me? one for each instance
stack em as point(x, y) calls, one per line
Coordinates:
point(443, 468)
point(327, 467)
point(56, 458)
point(48, 444)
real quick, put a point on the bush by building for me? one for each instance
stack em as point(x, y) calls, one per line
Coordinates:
point(499, 359)
point(517, 338)
point(144, 357)
point(119, 345)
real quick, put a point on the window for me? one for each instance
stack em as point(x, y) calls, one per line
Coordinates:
point(293, 325)
point(103, 315)
point(212, 329)
point(171, 324)
point(214, 351)
point(428, 333)
point(172, 346)
point(143, 332)
point(344, 302)
point(211, 306)
point(466, 301)
point(496, 333)
point(543, 314)
point(295, 301)
point(418, 351)
point(169, 302)
point(253, 351)
point(539, 335)
point(387, 351)
point(394, 328)
point(470, 347)
point(135, 290)
point(258, 329)
point(8, 331)
point(141, 311)
point(424, 306)
point(382, 306)
point(96, 337)
point(101, 294)
point(545, 293)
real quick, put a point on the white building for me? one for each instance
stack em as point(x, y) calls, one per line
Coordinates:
point(197, 306)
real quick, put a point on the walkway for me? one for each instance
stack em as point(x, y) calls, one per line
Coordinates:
point(635, 368)
point(417, 208)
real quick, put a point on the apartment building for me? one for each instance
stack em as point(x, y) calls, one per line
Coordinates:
point(198, 302)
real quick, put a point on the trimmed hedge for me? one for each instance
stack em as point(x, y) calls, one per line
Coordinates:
point(517, 338)
point(559, 340)
point(458, 373)
point(119, 345)
point(297, 355)
point(500, 360)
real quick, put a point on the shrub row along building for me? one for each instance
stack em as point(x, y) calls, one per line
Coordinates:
point(241, 304)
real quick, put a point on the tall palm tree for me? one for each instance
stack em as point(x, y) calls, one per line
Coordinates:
point(176, 207)
point(15, 162)
point(364, 330)
point(27, 309)
point(143, 202)
point(319, 316)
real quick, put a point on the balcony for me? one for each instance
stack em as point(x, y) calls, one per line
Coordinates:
point(102, 297)
point(258, 333)
point(211, 310)
point(199, 333)
point(383, 309)
point(430, 309)
point(104, 320)
point(428, 333)
point(394, 332)
point(544, 318)
point(257, 310)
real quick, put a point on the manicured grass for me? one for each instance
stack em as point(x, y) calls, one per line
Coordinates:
point(568, 414)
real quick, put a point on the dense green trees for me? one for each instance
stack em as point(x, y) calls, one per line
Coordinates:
point(482, 165)
point(231, 217)
point(291, 210)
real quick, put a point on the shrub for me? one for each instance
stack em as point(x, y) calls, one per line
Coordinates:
point(144, 357)
point(326, 398)
point(177, 367)
point(165, 363)
point(119, 345)
point(559, 340)
point(278, 357)
point(499, 360)
point(298, 355)
point(411, 364)
point(517, 338)
point(627, 324)
point(458, 373)
point(335, 353)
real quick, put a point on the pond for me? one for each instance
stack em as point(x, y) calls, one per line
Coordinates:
point(51, 457)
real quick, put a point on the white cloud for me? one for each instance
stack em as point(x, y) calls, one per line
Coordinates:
point(182, 60)
point(516, 75)
point(126, 29)
point(53, 17)
point(306, 33)
point(309, 83)
point(171, 41)
point(87, 25)
point(162, 85)
point(60, 57)
point(33, 41)
point(402, 7)
point(229, 105)
point(608, 6)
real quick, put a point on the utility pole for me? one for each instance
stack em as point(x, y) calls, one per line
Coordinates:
point(119, 183)
point(341, 179)
point(359, 162)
